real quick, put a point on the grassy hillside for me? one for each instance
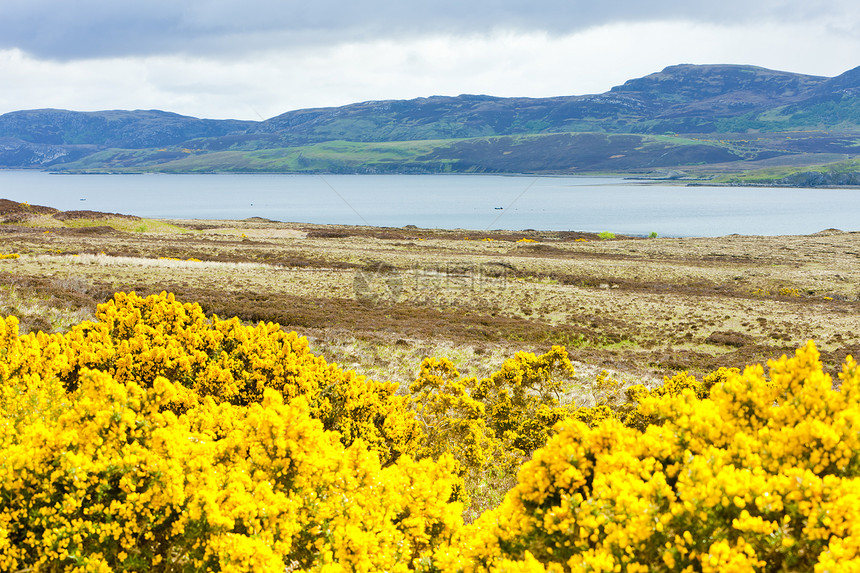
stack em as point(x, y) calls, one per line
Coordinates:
point(26, 216)
point(555, 153)
point(727, 116)
point(839, 173)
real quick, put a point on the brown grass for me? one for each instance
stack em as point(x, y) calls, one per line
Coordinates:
point(378, 299)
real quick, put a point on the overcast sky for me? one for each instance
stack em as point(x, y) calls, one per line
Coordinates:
point(258, 58)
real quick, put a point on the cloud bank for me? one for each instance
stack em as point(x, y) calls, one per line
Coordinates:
point(63, 30)
point(260, 58)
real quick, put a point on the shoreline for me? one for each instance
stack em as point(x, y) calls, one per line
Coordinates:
point(631, 178)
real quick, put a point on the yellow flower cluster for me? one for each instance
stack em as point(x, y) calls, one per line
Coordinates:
point(760, 476)
point(496, 420)
point(107, 479)
point(158, 439)
point(789, 291)
point(9, 256)
point(136, 339)
point(190, 260)
point(107, 465)
point(614, 400)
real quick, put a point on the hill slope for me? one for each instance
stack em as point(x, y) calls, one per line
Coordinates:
point(727, 114)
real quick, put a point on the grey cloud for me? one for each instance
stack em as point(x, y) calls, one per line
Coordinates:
point(66, 30)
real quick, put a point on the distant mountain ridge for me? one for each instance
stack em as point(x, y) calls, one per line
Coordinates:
point(117, 128)
point(659, 102)
point(692, 103)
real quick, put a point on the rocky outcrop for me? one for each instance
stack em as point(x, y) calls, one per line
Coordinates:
point(16, 153)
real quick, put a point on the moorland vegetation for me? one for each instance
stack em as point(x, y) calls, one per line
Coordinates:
point(155, 438)
point(594, 418)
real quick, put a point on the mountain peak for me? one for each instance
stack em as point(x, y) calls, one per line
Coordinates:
point(687, 82)
point(849, 80)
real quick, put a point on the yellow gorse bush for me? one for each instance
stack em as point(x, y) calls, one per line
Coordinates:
point(136, 339)
point(108, 465)
point(760, 476)
point(155, 438)
point(107, 479)
point(496, 420)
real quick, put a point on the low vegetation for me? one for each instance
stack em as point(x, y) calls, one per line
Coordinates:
point(379, 300)
point(155, 438)
point(832, 174)
point(340, 398)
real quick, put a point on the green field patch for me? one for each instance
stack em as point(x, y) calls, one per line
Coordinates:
point(836, 173)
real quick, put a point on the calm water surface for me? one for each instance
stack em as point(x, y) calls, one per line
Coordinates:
point(450, 201)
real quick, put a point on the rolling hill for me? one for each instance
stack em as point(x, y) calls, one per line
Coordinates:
point(691, 118)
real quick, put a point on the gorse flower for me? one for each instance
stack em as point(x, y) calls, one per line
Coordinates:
point(760, 475)
point(155, 438)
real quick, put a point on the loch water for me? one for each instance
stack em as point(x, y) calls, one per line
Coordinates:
point(476, 202)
